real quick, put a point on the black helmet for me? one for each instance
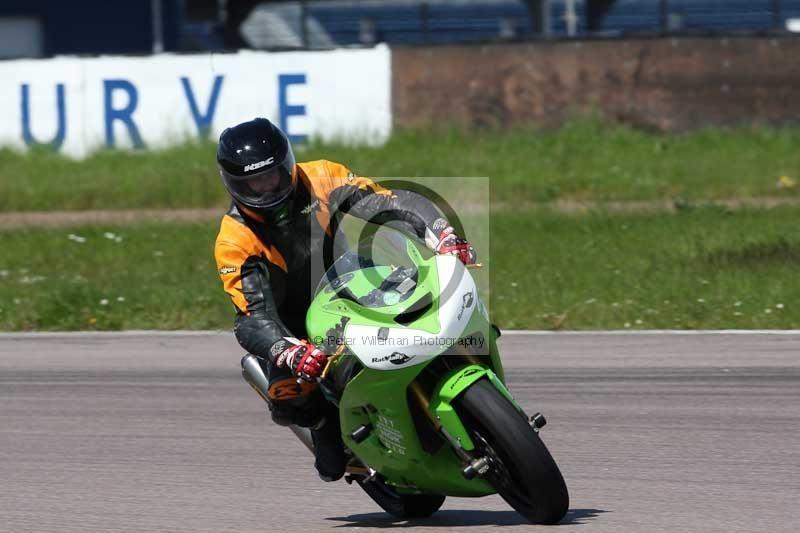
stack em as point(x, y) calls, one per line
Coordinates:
point(257, 167)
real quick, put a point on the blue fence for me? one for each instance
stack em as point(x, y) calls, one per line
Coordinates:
point(127, 26)
point(441, 22)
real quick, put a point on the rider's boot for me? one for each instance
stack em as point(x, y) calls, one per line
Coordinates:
point(328, 447)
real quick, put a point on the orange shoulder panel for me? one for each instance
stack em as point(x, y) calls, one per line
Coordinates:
point(235, 244)
point(323, 176)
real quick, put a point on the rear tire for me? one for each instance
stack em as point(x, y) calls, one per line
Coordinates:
point(401, 505)
point(522, 470)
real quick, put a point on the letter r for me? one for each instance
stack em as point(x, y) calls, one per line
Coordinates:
point(124, 114)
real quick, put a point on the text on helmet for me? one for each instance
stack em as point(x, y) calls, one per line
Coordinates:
point(260, 164)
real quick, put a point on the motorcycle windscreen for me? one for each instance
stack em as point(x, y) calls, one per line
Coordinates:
point(388, 258)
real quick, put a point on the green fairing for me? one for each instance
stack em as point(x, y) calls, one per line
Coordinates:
point(379, 397)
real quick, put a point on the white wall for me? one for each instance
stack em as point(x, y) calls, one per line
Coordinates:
point(332, 94)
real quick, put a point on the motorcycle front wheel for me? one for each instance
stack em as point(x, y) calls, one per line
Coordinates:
point(521, 468)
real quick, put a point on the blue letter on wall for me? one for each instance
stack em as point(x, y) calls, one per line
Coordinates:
point(124, 114)
point(286, 110)
point(203, 121)
point(61, 131)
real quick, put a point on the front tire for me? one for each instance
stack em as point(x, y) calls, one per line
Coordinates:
point(521, 468)
point(401, 505)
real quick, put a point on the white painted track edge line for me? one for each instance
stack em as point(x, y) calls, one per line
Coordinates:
point(656, 332)
point(124, 333)
point(510, 332)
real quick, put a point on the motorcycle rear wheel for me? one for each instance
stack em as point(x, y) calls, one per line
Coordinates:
point(401, 505)
point(521, 468)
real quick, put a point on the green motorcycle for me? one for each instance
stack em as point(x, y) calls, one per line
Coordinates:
point(419, 384)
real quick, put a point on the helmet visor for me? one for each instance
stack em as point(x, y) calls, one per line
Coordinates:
point(262, 189)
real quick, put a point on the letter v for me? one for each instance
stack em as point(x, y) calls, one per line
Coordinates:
point(203, 121)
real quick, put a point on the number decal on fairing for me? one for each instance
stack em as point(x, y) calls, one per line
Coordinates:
point(389, 436)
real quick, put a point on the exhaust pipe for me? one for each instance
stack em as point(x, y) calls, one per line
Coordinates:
point(254, 375)
point(304, 434)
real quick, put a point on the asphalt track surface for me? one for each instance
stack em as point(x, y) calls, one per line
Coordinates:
point(154, 432)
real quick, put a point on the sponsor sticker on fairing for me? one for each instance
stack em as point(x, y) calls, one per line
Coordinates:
point(466, 303)
point(396, 358)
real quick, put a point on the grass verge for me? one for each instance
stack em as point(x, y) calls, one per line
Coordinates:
point(587, 160)
point(704, 269)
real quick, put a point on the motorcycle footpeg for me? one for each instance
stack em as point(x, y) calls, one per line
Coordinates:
point(356, 470)
point(477, 467)
point(537, 421)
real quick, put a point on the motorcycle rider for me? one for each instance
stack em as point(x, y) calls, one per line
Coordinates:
point(275, 243)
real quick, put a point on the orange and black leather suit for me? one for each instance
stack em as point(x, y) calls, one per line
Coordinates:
point(270, 271)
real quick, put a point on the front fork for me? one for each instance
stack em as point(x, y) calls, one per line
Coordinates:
point(452, 385)
point(445, 419)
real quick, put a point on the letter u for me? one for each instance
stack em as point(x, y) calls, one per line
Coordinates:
point(61, 131)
